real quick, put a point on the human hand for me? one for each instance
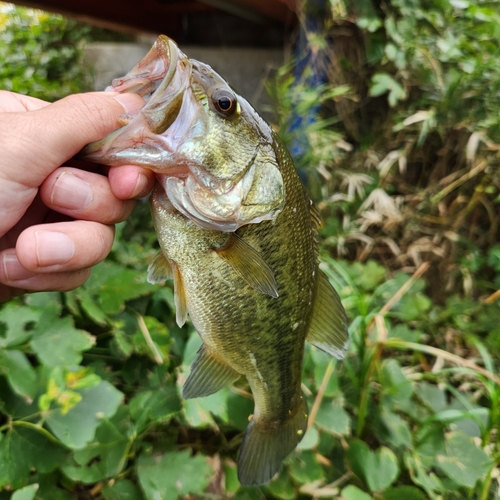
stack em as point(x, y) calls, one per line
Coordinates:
point(57, 221)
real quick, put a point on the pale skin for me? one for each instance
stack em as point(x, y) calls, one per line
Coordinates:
point(57, 217)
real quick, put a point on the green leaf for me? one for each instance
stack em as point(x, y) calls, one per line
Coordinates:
point(333, 418)
point(239, 408)
point(421, 475)
point(398, 431)
point(159, 405)
point(383, 83)
point(464, 462)
point(122, 490)
point(354, 493)
point(431, 395)
point(101, 459)
point(406, 492)
point(49, 490)
point(412, 306)
point(304, 468)
point(23, 449)
point(57, 342)
point(77, 427)
point(17, 321)
point(19, 373)
point(282, 487)
point(93, 311)
point(168, 476)
point(114, 285)
point(396, 388)
point(310, 439)
point(26, 493)
point(379, 469)
point(199, 411)
point(249, 493)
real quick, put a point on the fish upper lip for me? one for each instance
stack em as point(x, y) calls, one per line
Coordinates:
point(151, 78)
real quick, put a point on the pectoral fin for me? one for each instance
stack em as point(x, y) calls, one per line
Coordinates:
point(249, 264)
point(159, 269)
point(328, 328)
point(208, 375)
point(181, 311)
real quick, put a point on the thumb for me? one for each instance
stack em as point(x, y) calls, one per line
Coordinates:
point(37, 142)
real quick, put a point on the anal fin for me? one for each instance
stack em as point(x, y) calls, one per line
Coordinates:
point(328, 328)
point(208, 375)
point(249, 264)
point(159, 269)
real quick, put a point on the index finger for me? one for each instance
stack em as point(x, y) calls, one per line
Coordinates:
point(37, 142)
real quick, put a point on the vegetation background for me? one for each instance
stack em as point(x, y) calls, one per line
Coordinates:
point(402, 159)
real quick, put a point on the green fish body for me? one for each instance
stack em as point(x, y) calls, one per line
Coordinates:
point(249, 280)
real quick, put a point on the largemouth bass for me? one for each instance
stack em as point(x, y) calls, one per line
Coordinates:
point(244, 260)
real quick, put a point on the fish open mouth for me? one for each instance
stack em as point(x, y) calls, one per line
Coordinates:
point(161, 78)
point(156, 138)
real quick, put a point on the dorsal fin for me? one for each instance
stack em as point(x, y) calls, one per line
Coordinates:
point(315, 216)
point(207, 376)
point(328, 327)
point(159, 269)
point(249, 264)
point(179, 296)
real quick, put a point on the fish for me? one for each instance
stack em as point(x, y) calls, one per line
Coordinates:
point(246, 274)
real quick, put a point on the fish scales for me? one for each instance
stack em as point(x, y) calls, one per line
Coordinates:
point(238, 235)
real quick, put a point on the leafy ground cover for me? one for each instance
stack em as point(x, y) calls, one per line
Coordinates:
point(403, 168)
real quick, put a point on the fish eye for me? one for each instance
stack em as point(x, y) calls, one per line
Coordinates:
point(225, 102)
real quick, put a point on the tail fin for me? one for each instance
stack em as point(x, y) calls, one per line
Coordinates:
point(264, 449)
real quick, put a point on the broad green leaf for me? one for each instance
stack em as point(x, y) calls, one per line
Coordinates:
point(403, 332)
point(239, 408)
point(383, 83)
point(231, 483)
point(404, 492)
point(354, 493)
point(114, 285)
point(159, 405)
point(412, 306)
point(464, 462)
point(122, 490)
point(396, 388)
point(333, 418)
point(19, 372)
point(24, 449)
point(102, 458)
point(304, 467)
point(249, 493)
point(368, 275)
point(397, 429)
point(77, 427)
point(57, 342)
point(310, 440)
point(49, 489)
point(379, 469)
point(421, 475)
point(282, 487)
point(156, 344)
point(16, 321)
point(93, 311)
point(168, 476)
point(199, 411)
point(321, 362)
point(26, 493)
